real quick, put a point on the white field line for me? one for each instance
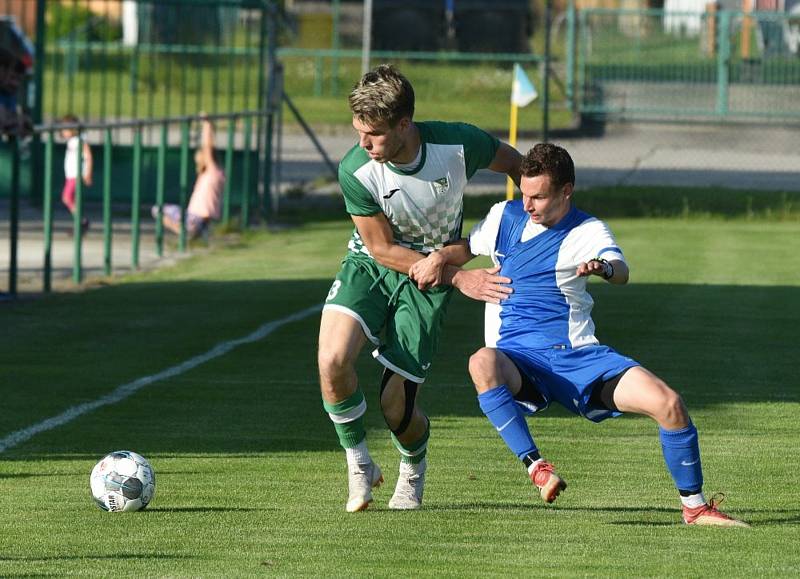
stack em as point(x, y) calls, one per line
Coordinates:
point(122, 392)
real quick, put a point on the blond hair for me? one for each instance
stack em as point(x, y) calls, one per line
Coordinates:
point(382, 95)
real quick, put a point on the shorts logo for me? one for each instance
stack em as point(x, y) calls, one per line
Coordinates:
point(441, 185)
point(426, 366)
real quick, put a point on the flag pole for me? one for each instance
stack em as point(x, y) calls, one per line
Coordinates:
point(512, 140)
point(522, 94)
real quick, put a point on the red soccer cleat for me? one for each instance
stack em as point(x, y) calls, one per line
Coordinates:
point(549, 483)
point(709, 515)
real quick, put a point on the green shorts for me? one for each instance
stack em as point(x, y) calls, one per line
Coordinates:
point(387, 303)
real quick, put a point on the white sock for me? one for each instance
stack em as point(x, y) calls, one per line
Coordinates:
point(693, 501)
point(413, 468)
point(532, 467)
point(359, 454)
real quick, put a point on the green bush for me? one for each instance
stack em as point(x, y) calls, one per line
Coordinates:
point(79, 23)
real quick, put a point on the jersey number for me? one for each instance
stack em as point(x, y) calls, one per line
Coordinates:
point(334, 290)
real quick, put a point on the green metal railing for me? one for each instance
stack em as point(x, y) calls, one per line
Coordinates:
point(152, 84)
point(91, 69)
point(182, 126)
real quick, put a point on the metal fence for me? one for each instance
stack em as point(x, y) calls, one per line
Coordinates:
point(136, 92)
point(126, 59)
point(713, 65)
point(131, 184)
point(142, 85)
point(147, 59)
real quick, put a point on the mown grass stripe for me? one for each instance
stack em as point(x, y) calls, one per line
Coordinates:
point(126, 390)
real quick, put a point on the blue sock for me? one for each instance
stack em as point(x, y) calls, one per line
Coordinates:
point(499, 407)
point(682, 455)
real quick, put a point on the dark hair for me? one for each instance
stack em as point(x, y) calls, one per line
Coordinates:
point(549, 159)
point(382, 95)
point(70, 119)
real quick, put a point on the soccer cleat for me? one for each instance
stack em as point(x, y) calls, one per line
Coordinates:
point(361, 479)
point(549, 483)
point(710, 515)
point(410, 485)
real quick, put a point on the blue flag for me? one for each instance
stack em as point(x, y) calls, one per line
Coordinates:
point(522, 90)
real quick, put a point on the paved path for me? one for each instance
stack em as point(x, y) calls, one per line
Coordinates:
point(733, 156)
point(30, 249)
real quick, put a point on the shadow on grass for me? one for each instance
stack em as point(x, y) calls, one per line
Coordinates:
point(752, 516)
point(537, 506)
point(747, 515)
point(115, 556)
point(646, 523)
point(206, 510)
point(24, 475)
point(714, 344)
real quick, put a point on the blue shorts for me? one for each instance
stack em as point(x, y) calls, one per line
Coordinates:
point(569, 376)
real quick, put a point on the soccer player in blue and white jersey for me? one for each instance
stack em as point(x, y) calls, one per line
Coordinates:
point(403, 186)
point(540, 342)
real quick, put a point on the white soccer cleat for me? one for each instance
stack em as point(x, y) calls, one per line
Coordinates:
point(361, 479)
point(410, 485)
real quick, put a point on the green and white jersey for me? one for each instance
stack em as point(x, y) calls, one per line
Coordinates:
point(424, 205)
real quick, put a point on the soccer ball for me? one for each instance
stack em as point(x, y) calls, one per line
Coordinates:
point(122, 481)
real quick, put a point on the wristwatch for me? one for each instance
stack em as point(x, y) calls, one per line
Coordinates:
point(608, 269)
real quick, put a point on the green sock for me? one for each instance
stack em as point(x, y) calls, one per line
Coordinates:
point(414, 453)
point(348, 419)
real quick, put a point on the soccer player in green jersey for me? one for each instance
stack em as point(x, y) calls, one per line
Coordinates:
point(403, 185)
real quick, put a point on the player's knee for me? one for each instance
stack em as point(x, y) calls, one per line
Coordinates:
point(393, 411)
point(483, 368)
point(333, 365)
point(673, 413)
point(398, 405)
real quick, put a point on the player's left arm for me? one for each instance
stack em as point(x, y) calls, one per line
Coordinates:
point(507, 160)
point(612, 270)
point(605, 258)
point(431, 271)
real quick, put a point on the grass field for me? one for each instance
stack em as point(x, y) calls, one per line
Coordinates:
point(251, 481)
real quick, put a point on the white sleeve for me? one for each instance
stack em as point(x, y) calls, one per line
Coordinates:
point(484, 235)
point(603, 243)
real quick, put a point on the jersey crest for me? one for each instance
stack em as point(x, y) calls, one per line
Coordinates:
point(441, 185)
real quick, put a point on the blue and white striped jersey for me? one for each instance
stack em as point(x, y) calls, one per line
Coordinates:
point(550, 305)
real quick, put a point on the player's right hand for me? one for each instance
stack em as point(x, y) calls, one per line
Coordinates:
point(427, 272)
point(483, 285)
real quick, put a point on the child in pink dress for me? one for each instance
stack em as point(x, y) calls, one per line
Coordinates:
point(206, 200)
